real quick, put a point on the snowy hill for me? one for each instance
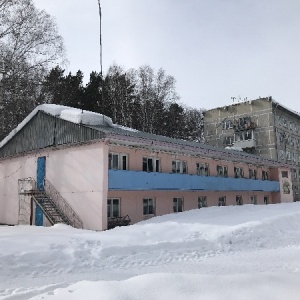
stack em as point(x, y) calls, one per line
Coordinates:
point(234, 252)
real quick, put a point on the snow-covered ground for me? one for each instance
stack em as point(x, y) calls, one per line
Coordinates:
point(235, 252)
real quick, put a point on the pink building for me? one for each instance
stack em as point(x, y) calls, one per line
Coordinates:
point(73, 166)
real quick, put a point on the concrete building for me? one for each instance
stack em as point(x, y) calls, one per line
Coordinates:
point(66, 165)
point(262, 127)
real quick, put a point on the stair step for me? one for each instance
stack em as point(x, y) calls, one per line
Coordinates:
point(50, 208)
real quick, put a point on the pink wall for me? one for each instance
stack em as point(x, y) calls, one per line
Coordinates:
point(131, 203)
point(80, 176)
point(78, 173)
point(11, 170)
point(136, 157)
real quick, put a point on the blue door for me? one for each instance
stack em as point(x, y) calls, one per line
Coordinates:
point(40, 176)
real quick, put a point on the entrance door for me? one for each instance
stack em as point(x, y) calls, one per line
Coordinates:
point(40, 177)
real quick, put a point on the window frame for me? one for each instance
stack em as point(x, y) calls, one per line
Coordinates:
point(266, 200)
point(222, 200)
point(202, 201)
point(252, 174)
point(179, 166)
point(149, 212)
point(227, 124)
point(222, 173)
point(176, 204)
point(110, 212)
point(202, 169)
point(239, 200)
point(154, 167)
point(264, 175)
point(253, 197)
point(238, 172)
point(120, 162)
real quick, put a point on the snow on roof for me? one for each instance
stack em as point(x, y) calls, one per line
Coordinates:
point(234, 148)
point(125, 128)
point(70, 114)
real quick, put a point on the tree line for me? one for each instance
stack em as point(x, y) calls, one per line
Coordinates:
point(138, 98)
point(33, 55)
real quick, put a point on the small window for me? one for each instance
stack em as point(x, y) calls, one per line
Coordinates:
point(148, 206)
point(222, 171)
point(266, 200)
point(202, 201)
point(227, 124)
point(117, 161)
point(113, 208)
point(239, 200)
point(228, 140)
point(294, 173)
point(253, 200)
point(252, 174)
point(151, 164)
point(177, 205)
point(238, 172)
point(222, 201)
point(248, 135)
point(179, 166)
point(284, 174)
point(202, 169)
point(265, 175)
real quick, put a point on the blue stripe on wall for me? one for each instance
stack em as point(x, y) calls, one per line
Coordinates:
point(139, 181)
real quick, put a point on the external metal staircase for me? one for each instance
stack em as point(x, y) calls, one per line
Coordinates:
point(50, 210)
point(53, 205)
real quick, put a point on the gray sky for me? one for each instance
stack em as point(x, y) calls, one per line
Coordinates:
point(215, 49)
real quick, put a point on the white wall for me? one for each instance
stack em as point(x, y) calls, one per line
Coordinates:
point(78, 173)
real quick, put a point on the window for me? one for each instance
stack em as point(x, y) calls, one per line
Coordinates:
point(179, 166)
point(294, 172)
point(248, 135)
point(238, 172)
point(284, 174)
point(239, 200)
point(222, 201)
point(266, 199)
point(222, 171)
point(148, 206)
point(151, 164)
point(177, 205)
point(113, 208)
point(202, 202)
point(265, 175)
point(202, 169)
point(117, 161)
point(252, 174)
point(227, 124)
point(253, 200)
point(228, 140)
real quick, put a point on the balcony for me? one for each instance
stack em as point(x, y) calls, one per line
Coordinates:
point(143, 181)
point(244, 123)
point(245, 144)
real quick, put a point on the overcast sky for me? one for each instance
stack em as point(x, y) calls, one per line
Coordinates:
point(215, 49)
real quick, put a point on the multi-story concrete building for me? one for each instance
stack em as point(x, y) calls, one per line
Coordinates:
point(263, 127)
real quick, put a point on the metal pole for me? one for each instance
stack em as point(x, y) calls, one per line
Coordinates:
point(100, 39)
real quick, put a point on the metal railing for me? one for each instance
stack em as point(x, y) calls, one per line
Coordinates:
point(28, 186)
point(63, 206)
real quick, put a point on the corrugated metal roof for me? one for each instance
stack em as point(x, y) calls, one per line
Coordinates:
point(181, 145)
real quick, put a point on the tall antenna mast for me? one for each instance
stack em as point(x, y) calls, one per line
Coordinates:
point(100, 39)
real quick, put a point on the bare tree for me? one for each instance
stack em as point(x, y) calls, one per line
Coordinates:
point(29, 45)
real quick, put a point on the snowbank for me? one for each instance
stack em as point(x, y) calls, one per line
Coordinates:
point(235, 252)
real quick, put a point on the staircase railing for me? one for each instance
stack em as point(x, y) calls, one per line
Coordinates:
point(63, 206)
point(28, 186)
